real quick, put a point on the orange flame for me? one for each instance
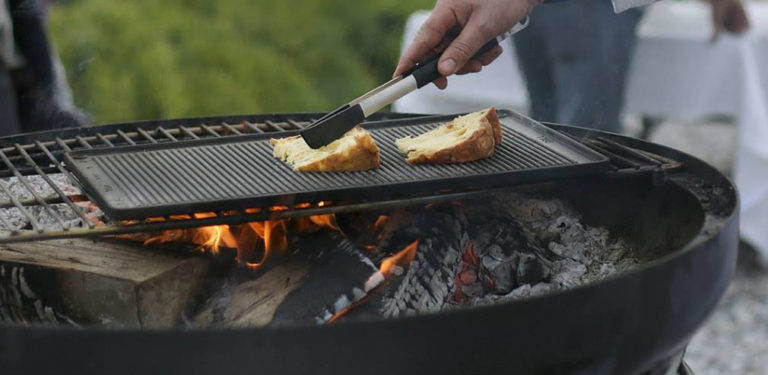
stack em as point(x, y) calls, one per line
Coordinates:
point(325, 221)
point(380, 222)
point(270, 235)
point(401, 259)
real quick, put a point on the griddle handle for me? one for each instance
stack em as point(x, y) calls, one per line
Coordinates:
point(428, 72)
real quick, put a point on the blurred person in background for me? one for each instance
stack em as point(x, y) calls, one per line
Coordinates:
point(33, 92)
point(575, 57)
point(574, 54)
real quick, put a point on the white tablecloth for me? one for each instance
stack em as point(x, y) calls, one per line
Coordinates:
point(676, 73)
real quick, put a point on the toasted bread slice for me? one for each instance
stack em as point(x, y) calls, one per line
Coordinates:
point(355, 151)
point(467, 138)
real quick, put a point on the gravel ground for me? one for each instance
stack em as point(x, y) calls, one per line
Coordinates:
point(735, 339)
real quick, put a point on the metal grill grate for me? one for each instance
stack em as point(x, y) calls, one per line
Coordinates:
point(40, 199)
point(228, 174)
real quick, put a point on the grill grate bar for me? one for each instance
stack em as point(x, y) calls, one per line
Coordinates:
point(18, 205)
point(69, 177)
point(126, 137)
point(167, 134)
point(210, 131)
point(55, 188)
point(272, 125)
point(189, 133)
point(146, 135)
point(628, 151)
point(618, 159)
point(296, 124)
point(231, 129)
point(40, 200)
point(253, 127)
point(83, 142)
point(104, 140)
point(35, 226)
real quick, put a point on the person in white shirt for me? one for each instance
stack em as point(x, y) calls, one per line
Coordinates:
point(574, 54)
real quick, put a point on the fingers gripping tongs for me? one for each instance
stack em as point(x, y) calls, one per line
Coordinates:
point(335, 124)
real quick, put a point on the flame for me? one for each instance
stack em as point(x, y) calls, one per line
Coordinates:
point(401, 259)
point(325, 221)
point(270, 236)
point(380, 222)
point(272, 233)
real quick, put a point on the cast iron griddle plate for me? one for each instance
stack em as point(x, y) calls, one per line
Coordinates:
point(229, 173)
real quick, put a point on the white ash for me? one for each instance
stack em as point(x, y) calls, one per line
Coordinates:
point(427, 284)
point(45, 216)
point(39, 185)
point(583, 253)
point(14, 219)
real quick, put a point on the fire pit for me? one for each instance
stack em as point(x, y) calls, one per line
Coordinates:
point(610, 273)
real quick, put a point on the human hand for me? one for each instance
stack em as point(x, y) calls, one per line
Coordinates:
point(481, 21)
point(728, 15)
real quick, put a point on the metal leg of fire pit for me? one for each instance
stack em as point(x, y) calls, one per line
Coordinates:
point(674, 365)
point(684, 369)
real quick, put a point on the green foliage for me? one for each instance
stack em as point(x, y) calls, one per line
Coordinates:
point(129, 60)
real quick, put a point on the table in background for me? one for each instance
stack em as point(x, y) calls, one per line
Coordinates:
point(676, 73)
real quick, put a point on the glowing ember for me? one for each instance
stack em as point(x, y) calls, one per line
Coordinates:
point(470, 264)
point(345, 310)
point(402, 259)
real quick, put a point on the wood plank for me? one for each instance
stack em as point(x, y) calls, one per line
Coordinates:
point(108, 283)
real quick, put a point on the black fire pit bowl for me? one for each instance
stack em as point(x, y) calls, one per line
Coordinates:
point(621, 325)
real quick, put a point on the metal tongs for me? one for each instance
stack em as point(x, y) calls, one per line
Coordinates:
point(335, 124)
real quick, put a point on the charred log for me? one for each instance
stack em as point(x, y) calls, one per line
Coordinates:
point(427, 284)
point(340, 276)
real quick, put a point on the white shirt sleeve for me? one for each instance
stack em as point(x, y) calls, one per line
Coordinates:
point(622, 5)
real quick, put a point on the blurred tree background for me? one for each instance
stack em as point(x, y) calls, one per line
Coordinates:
point(141, 59)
